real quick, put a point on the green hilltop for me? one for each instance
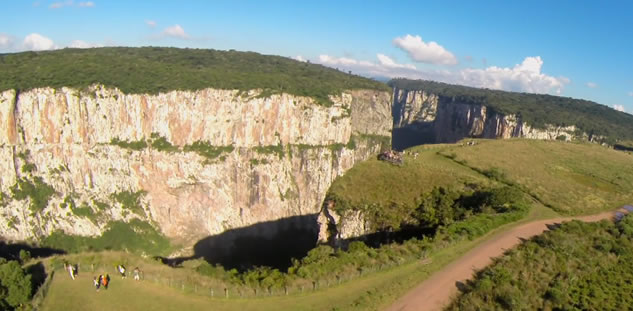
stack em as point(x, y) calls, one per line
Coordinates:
point(538, 110)
point(568, 178)
point(159, 69)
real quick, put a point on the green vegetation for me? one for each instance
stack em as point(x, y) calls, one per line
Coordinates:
point(130, 200)
point(160, 143)
point(570, 178)
point(136, 236)
point(155, 69)
point(38, 191)
point(537, 110)
point(579, 266)
point(133, 145)
point(207, 150)
point(15, 286)
point(271, 149)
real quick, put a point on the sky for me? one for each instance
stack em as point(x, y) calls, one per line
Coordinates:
point(581, 49)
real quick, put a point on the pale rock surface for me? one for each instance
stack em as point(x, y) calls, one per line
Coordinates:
point(68, 134)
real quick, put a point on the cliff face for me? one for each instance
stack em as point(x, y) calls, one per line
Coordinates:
point(427, 118)
point(200, 162)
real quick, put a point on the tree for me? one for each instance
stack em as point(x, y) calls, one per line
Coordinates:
point(15, 285)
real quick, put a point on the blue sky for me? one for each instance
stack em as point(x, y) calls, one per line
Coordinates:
point(573, 48)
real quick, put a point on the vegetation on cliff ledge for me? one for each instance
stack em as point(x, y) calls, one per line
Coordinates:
point(156, 69)
point(538, 110)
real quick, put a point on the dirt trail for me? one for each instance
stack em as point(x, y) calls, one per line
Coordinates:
point(436, 291)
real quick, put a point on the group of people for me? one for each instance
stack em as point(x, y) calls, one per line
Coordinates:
point(392, 156)
point(136, 271)
point(102, 279)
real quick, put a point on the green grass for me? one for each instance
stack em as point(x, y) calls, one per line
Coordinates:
point(207, 150)
point(582, 266)
point(571, 178)
point(130, 200)
point(37, 190)
point(133, 145)
point(136, 236)
point(381, 183)
point(155, 69)
point(568, 177)
point(373, 291)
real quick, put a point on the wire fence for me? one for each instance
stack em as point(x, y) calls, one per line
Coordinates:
point(190, 282)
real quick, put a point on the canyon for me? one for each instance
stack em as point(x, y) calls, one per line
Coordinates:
point(209, 163)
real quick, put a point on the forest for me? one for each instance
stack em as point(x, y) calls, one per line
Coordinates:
point(538, 110)
point(157, 69)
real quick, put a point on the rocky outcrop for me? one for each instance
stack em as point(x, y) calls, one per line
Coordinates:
point(201, 162)
point(428, 118)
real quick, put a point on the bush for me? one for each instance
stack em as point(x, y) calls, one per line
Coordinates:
point(37, 190)
point(15, 285)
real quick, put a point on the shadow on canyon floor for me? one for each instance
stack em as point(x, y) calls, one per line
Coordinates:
point(12, 251)
point(271, 243)
point(406, 137)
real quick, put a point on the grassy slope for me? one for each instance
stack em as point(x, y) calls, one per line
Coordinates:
point(375, 181)
point(153, 70)
point(571, 178)
point(371, 292)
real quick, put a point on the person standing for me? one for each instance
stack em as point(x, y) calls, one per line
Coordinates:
point(137, 274)
point(97, 282)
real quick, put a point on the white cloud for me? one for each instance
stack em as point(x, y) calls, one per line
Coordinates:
point(175, 31)
point(59, 5)
point(591, 85)
point(631, 94)
point(389, 63)
point(150, 23)
point(619, 108)
point(37, 42)
point(79, 44)
point(300, 58)
point(523, 77)
point(6, 41)
point(420, 51)
point(385, 67)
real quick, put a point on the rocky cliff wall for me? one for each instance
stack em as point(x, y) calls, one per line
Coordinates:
point(199, 162)
point(445, 120)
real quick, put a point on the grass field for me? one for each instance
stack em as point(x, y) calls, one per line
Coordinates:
point(371, 292)
point(379, 182)
point(570, 178)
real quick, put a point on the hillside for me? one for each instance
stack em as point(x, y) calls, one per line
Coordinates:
point(537, 110)
point(579, 266)
point(155, 69)
point(570, 178)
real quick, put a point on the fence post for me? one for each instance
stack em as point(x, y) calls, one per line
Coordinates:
point(212, 293)
point(226, 292)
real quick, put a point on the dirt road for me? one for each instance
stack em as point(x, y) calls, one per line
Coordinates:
point(436, 291)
